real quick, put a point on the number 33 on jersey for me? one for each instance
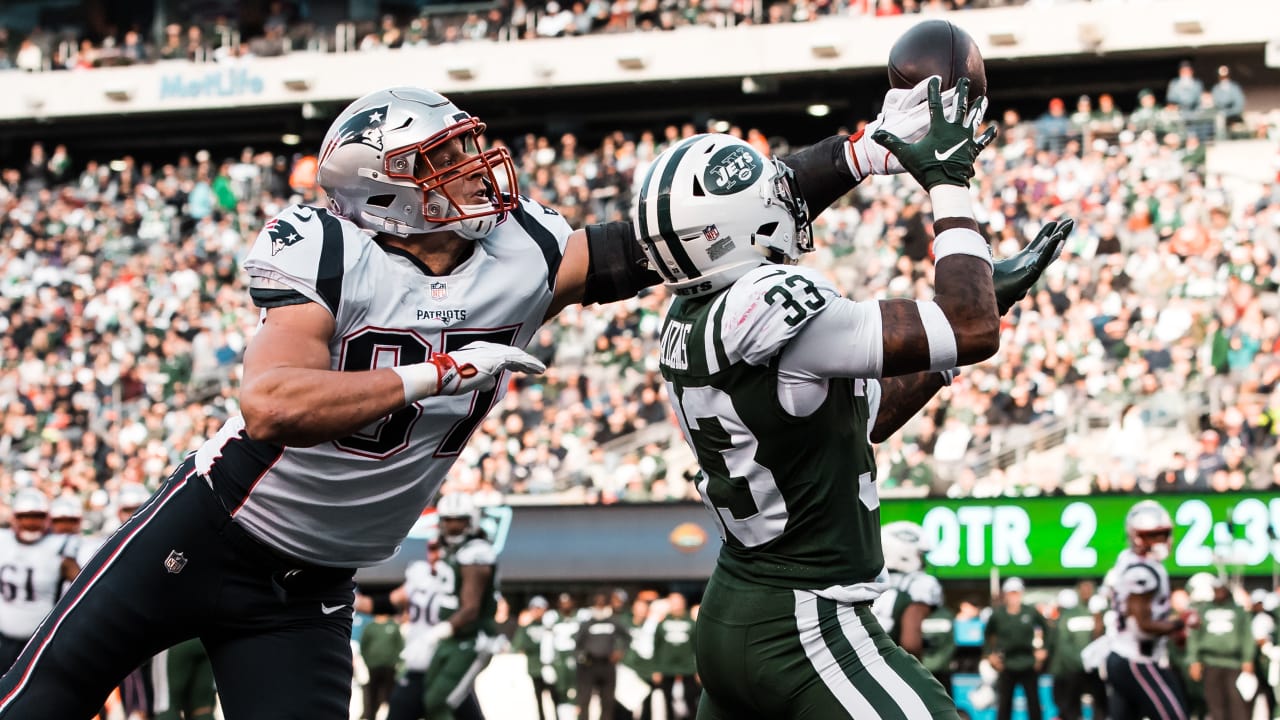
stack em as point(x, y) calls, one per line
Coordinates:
point(794, 495)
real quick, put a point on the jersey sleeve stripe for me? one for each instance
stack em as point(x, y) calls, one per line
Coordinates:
point(665, 226)
point(332, 262)
point(721, 358)
point(546, 242)
point(271, 298)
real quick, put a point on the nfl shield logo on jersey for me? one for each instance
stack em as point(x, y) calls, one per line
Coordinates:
point(175, 562)
point(439, 291)
point(711, 233)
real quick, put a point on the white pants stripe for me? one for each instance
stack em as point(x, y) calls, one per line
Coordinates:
point(824, 662)
point(865, 646)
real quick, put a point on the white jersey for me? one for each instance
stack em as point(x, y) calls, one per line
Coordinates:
point(1137, 575)
point(350, 502)
point(904, 589)
point(30, 580)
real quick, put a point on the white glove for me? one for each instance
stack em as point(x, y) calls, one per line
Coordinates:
point(905, 113)
point(475, 367)
point(548, 675)
point(1247, 685)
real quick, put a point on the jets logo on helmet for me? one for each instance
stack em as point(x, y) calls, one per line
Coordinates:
point(712, 208)
point(732, 170)
point(390, 159)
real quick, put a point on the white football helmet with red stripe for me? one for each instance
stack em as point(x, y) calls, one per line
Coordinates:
point(387, 159)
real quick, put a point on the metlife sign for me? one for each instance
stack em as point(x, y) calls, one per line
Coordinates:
point(1078, 537)
point(233, 82)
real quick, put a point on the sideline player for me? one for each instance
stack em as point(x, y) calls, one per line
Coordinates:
point(452, 600)
point(390, 318)
point(34, 565)
point(781, 386)
point(913, 593)
point(1138, 682)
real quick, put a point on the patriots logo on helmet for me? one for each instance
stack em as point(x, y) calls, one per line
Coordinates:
point(282, 235)
point(365, 128)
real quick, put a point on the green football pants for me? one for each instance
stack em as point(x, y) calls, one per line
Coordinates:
point(772, 653)
point(183, 681)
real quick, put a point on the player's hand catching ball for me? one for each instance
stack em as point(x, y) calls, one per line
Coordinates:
point(947, 151)
point(905, 113)
point(1016, 274)
point(474, 367)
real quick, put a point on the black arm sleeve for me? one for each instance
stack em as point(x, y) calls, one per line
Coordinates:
point(822, 173)
point(616, 266)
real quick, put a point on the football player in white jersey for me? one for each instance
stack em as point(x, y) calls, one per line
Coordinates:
point(913, 593)
point(1139, 681)
point(452, 600)
point(390, 317)
point(782, 386)
point(34, 564)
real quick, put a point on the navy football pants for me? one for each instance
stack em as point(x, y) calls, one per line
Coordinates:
point(278, 632)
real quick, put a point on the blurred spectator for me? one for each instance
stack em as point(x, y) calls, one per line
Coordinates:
point(1185, 90)
point(1228, 98)
point(1015, 647)
point(1053, 127)
point(30, 57)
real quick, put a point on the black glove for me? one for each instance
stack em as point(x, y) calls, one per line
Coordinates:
point(946, 153)
point(1016, 274)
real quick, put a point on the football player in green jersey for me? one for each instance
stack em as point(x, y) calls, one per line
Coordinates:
point(913, 594)
point(781, 386)
point(452, 601)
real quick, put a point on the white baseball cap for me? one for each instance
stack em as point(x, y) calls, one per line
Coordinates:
point(1013, 584)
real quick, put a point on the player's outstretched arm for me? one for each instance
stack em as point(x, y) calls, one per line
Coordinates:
point(960, 326)
point(903, 396)
point(830, 168)
point(290, 395)
point(602, 263)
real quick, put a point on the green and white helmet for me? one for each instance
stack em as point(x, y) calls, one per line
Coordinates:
point(711, 208)
point(375, 165)
point(904, 545)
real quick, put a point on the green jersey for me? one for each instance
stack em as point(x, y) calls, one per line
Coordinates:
point(939, 641)
point(1224, 637)
point(791, 482)
point(435, 589)
point(1071, 633)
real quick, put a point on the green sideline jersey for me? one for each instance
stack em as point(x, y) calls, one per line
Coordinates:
point(472, 551)
point(795, 497)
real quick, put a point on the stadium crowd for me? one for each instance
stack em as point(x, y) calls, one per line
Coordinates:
point(124, 316)
point(290, 26)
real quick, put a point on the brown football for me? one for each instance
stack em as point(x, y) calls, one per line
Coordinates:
point(937, 47)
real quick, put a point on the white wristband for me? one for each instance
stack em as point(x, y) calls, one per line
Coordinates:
point(942, 339)
point(420, 380)
point(950, 201)
point(961, 241)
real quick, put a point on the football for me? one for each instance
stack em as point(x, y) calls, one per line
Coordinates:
point(937, 47)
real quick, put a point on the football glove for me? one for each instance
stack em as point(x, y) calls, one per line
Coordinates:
point(474, 367)
point(945, 154)
point(1015, 275)
point(905, 113)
